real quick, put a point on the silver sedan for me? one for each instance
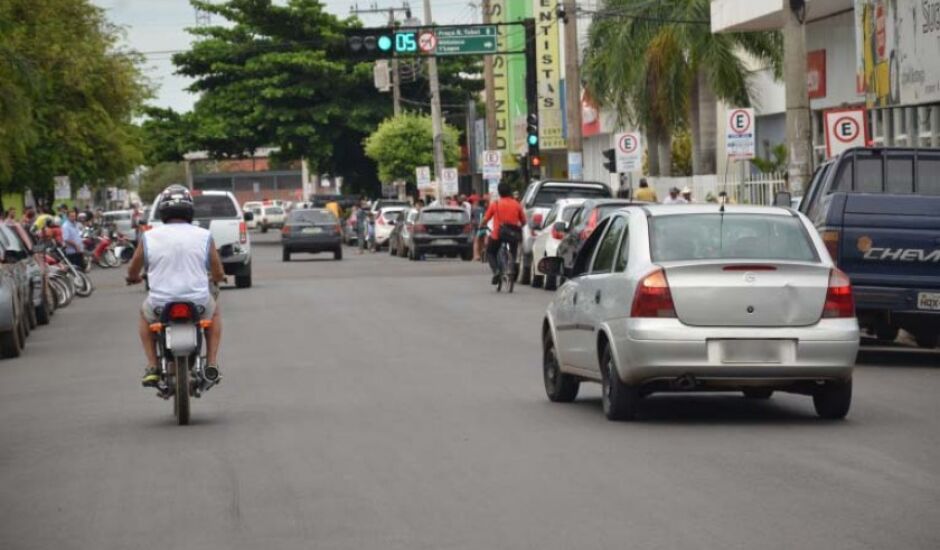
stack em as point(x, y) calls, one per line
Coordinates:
point(701, 298)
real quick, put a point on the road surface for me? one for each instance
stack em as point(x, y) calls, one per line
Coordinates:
point(377, 403)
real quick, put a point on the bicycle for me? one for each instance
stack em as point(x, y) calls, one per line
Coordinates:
point(506, 261)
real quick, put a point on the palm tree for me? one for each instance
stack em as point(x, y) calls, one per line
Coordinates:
point(678, 72)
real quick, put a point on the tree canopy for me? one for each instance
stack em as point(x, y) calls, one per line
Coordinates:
point(402, 143)
point(67, 96)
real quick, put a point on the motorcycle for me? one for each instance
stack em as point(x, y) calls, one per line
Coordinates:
point(180, 344)
point(123, 249)
point(81, 282)
point(102, 253)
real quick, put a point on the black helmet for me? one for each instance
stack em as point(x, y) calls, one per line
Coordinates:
point(176, 203)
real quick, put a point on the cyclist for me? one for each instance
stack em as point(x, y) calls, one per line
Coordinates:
point(508, 218)
point(177, 255)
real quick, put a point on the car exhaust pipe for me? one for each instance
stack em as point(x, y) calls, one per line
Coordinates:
point(685, 382)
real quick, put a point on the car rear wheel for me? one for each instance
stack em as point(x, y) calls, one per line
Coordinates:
point(538, 281)
point(526, 277)
point(551, 282)
point(467, 255)
point(244, 280)
point(42, 313)
point(338, 253)
point(285, 255)
point(392, 250)
point(758, 393)
point(833, 399)
point(559, 386)
point(886, 333)
point(619, 400)
point(10, 344)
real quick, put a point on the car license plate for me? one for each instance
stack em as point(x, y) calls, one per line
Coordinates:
point(311, 230)
point(928, 300)
point(752, 351)
point(445, 241)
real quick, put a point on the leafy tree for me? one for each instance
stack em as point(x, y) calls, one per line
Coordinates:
point(158, 177)
point(75, 92)
point(679, 73)
point(402, 143)
point(773, 163)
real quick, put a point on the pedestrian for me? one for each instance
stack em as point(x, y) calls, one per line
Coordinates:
point(645, 193)
point(462, 200)
point(72, 238)
point(362, 224)
point(687, 194)
point(476, 218)
point(674, 197)
point(419, 204)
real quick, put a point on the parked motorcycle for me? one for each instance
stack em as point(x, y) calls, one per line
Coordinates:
point(81, 282)
point(101, 249)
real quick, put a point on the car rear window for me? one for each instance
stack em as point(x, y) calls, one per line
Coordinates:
point(444, 216)
point(549, 194)
point(729, 236)
point(312, 216)
point(214, 206)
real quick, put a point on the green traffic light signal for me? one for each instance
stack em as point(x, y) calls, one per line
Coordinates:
point(385, 43)
point(533, 139)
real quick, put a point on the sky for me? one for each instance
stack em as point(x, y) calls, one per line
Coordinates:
point(155, 26)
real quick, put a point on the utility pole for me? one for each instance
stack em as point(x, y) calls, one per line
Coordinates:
point(799, 126)
point(572, 87)
point(396, 79)
point(436, 121)
point(488, 81)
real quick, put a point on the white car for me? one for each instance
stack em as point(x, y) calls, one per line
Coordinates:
point(255, 215)
point(701, 298)
point(385, 219)
point(552, 231)
point(271, 216)
point(218, 211)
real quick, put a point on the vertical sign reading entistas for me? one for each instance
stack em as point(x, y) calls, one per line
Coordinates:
point(548, 59)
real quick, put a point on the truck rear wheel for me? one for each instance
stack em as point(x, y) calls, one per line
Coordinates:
point(927, 338)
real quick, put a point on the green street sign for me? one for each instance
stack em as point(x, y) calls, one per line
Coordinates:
point(477, 39)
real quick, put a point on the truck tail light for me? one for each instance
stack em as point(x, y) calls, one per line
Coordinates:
point(839, 300)
point(831, 240)
point(243, 232)
point(653, 298)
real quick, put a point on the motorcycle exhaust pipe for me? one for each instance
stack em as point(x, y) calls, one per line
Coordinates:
point(211, 374)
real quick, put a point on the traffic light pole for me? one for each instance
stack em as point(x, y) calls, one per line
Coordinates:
point(533, 161)
point(436, 120)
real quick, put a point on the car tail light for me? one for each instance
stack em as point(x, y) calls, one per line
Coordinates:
point(421, 228)
point(144, 228)
point(749, 267)
point(338, 229)
point(831, 240)
point(285, 230)
point(536, 221)
point(467, 229)
point(180, 312)
point(839, 301)
point(589, 226)
point(556, 234)
point(243, 232)
point(653, 298)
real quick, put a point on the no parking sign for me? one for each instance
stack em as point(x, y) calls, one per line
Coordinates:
point(629, 155)
point(845, 128)
point(739, 139)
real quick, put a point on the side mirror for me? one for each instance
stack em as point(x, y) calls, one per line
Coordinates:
point(552, 265)
point(141, 222)
point(249, 216)
point(784, 199)
point(536, 222)
point(560, 227)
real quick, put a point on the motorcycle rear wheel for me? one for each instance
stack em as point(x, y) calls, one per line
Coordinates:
point(181, 393)
point(83, 285)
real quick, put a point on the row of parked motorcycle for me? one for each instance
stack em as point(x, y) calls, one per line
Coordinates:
point(36, 280)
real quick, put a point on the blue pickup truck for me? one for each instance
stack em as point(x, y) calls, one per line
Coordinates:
point(878, 212)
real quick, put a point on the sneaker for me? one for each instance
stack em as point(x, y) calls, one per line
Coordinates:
point(151, 378)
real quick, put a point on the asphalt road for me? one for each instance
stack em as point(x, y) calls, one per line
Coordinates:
point(377, 403)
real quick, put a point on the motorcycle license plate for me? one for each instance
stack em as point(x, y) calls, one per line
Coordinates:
point(928, 300)
point(311, 230)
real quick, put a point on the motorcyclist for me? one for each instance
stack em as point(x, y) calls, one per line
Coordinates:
point(178, 256)
point(508, 218)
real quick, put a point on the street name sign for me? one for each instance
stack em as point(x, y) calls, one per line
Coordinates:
point(629, 153)
point(739, 142)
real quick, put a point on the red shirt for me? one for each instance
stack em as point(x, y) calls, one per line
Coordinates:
point(505, 210)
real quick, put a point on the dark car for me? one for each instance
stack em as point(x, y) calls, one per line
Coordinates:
point(41, 297)
point(442, 232)
point(312, 231)
point(877, 211)
point(15, 291)
point(582, 224)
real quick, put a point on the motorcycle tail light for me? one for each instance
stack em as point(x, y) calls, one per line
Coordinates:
point(180, 312)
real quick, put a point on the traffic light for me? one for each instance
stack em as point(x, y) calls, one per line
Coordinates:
point(611, 163)
point(370, 43)
point(532, 130)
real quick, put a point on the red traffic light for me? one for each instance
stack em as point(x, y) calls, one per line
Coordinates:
point(536, 161)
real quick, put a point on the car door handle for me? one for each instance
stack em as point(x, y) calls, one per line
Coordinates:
point(597, 297)
point(575, 300)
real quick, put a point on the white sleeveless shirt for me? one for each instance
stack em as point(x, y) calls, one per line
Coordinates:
point(177, 259)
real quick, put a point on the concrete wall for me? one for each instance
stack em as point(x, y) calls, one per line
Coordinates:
point(836, 35)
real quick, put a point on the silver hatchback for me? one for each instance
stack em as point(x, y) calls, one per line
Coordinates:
point(701, 298)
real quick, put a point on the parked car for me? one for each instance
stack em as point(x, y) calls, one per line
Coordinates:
point(441, 231)
point(693, 298)
point(551, 232)
point(583, 223)
point(400, 233)
point(878, 212)
point(121, 220)
point(42, 299)
point(312, 231)
point(14, 297)
point(385, 219)
point(538, 199)
point(272, 216)
point(255, 215)
point(218, 211)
